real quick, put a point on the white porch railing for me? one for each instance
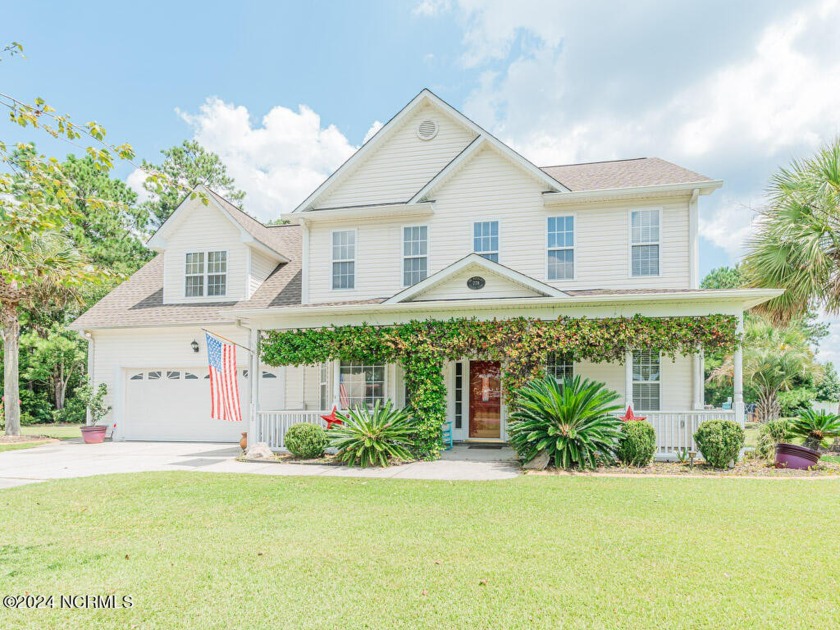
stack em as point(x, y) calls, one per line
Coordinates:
point(272, 425)
point(675, 429)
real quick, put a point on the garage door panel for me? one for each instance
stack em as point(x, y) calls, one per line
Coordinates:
point(174, 404)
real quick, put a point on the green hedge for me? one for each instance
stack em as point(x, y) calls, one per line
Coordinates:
point(720, 441)
point(637, 444)
point(306, 441)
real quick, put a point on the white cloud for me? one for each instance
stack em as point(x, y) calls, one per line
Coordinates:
point(560, 91)
point(432, 8)
point(278, 162)
point(374, 128)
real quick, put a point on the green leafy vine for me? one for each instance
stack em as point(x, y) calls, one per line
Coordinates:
point(521, 345)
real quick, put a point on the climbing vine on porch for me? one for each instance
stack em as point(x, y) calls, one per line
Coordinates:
point(522, 345)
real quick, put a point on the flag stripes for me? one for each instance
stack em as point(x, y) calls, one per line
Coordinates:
point(224, 385)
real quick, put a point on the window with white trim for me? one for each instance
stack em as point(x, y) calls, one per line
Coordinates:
point(486, 239)
point(646, 380)
point(202, 279)
point(560, 365)
point(344, 259)
point(644, 243)
point(415, 254)
point(561, 248)
point(361, 384)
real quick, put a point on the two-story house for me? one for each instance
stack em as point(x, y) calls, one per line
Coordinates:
point(432, 218)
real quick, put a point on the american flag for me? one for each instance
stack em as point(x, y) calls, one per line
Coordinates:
point(224, 386)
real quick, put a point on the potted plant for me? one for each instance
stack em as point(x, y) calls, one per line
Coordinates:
point(94, 400)
point(816, 429)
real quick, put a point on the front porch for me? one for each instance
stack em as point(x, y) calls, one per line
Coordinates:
point(476, 412)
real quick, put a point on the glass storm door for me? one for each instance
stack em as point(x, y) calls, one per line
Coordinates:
point(485, 399)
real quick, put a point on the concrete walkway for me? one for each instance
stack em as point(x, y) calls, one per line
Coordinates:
point(72, 458)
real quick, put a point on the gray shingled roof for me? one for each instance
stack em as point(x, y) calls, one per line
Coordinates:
point(622, 174)
point(139, 300)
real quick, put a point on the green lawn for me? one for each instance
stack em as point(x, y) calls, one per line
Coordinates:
point(57, 431)
point(16, 447)
point(219, 551)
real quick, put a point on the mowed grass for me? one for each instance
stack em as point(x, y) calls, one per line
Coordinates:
point(57, 431)
point(13, 446)
point(220, 551)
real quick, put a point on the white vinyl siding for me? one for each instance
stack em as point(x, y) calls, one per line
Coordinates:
point(261, 268)
point(486, 239)
point(561, 248)
point(489, 186)
point(647, 378)
point(202, 229)
point(403, 164)
point(344, 259)
point(644, 239)
point(415, 254)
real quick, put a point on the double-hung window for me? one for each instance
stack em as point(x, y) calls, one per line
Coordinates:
point(486, 239)
point(415, 254)
point(361, 385)
point(644, 243)
point(205, 273)
point(561, 248)
point(561, 366)
point(344, 259)
point(646, 380)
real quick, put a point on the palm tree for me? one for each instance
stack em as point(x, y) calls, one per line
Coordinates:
point(797, 244)
point(39, 271)
point(774, 357)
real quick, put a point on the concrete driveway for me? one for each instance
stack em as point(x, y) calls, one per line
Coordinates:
point(72, 458)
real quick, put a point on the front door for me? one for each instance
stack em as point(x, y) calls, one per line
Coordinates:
point(485, 400)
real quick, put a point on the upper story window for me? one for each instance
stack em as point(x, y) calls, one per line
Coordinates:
point(344, 259)
point(415, 254)
point(646, 380)
point(561, 248)
point(486, 239)
point(644, 243)
point(205, 273)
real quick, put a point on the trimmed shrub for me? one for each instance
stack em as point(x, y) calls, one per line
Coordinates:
point(769, 434)
point(637, 444)
point(373, 437)
point(720, 441)
point(572, 422)
point(306, 441)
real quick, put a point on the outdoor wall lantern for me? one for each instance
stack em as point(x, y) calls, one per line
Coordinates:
point(194, 345)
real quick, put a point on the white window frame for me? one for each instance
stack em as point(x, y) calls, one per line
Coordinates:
point(334, 260)
point(548, 249)
point(631, 244)
point(405, 258)
point(363, 364)
point(551, 363)
point(205, 273)
point(634, 382)
point(498, 250)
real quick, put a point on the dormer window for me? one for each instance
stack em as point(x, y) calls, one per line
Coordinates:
point(205, 273)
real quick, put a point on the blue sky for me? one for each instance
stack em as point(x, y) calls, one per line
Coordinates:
point(286, 91)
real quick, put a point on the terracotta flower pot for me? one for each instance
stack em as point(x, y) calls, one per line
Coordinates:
point(794, 456)
point(94, 434)
point(243, 441)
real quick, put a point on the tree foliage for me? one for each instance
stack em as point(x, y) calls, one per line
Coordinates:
point(723, 278)
point(797, 244)
point(185, 167)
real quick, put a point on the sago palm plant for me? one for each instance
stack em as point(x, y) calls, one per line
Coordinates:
point(372, 437)
point(817, 428)
point(573, 421)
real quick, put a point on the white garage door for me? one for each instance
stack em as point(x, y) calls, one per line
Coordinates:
point(174, 404)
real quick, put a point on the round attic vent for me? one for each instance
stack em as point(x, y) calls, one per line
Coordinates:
point(427, 130)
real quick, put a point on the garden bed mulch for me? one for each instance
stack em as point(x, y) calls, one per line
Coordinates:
point(745, 468)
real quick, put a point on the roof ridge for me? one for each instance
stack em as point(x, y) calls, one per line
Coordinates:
point(636, 159)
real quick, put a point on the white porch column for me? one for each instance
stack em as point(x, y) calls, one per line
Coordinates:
point(336, 397)
point(628, 379)
point(738, 376)
point(254, 370)
point(699, 380)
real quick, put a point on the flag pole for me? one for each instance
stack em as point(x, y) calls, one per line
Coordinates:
point(210, 332)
